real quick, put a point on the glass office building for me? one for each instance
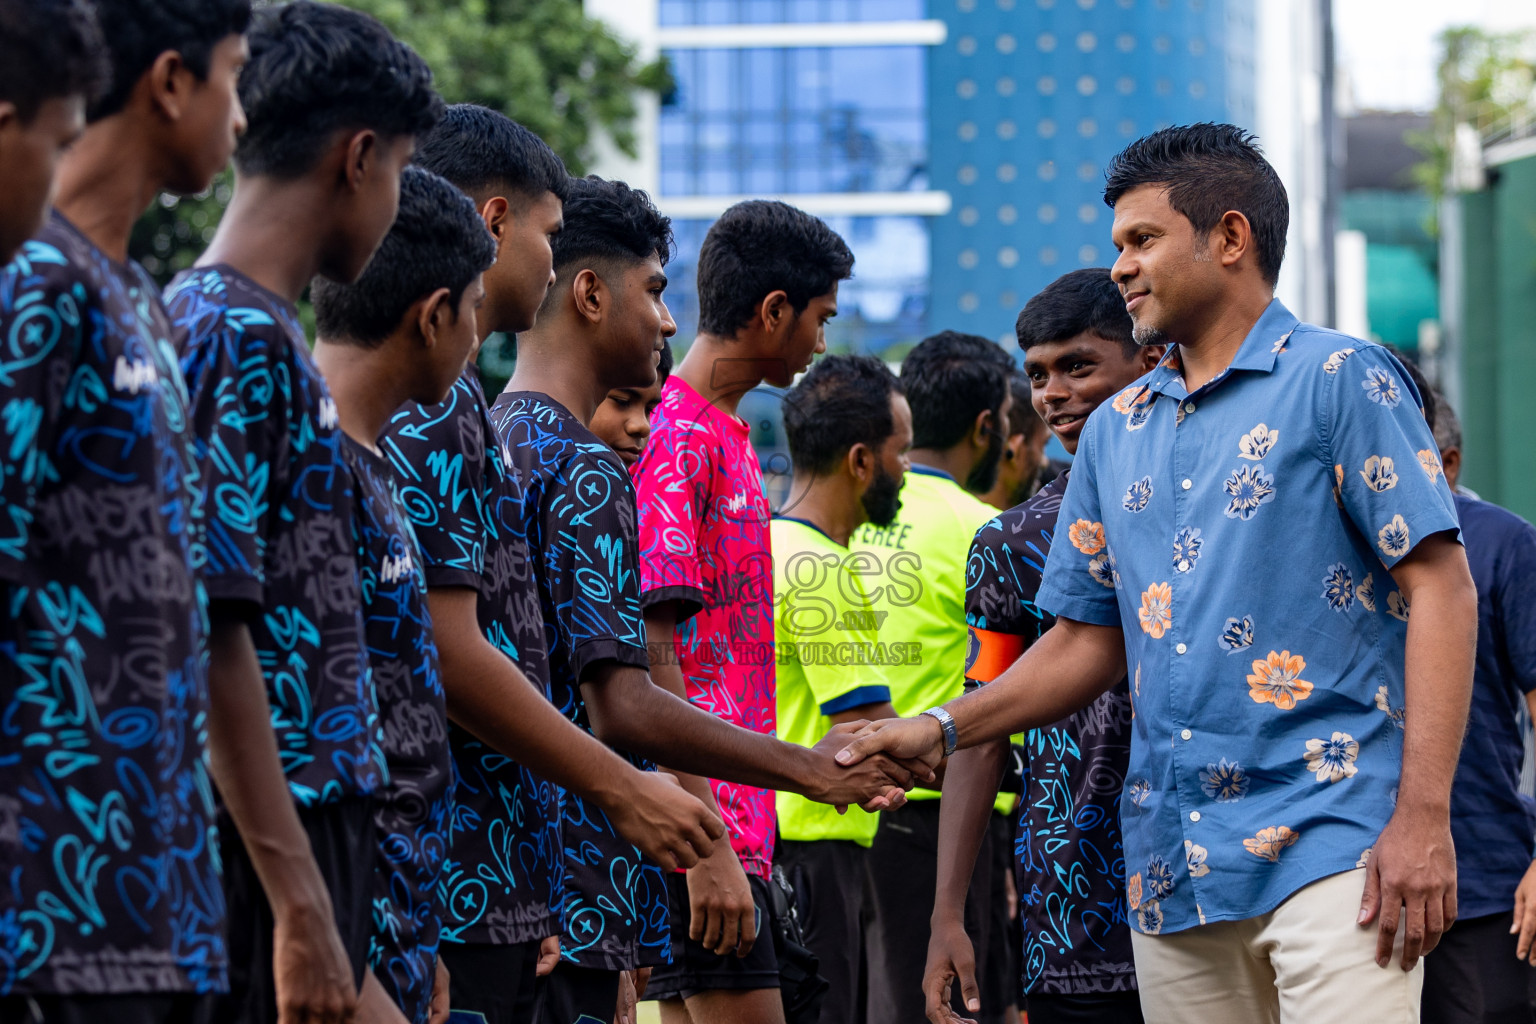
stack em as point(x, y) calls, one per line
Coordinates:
point(958, 145)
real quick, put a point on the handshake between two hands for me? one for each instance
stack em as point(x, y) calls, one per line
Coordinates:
point(872, 764)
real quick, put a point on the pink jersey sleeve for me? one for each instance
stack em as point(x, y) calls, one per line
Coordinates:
point(671, 482)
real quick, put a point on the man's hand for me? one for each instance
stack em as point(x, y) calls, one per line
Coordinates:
point(624, 1010)
point(1410, 878)
point(670, 826)
point(917, 741)
point(721, 914)
point(875, 784)
point(549, 956)
point(310, 968)
point(1525, 916)
point(438, 1014)
point(951, 958)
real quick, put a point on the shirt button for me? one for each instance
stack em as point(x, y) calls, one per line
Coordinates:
point(1181, 648)
point(1189, 406)
point(1187, 484)
point(1194, 815)
point(1186, 734)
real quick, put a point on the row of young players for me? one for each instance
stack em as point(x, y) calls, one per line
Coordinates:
point(394, 625)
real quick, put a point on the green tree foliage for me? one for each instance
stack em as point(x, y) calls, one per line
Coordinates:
point(1487, 80)
point(544, 63)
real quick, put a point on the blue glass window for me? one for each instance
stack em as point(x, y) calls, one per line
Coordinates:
point(742, 12)
point(850, 119)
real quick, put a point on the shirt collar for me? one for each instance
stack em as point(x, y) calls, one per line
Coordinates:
point(1257, 352)
point(930, 471)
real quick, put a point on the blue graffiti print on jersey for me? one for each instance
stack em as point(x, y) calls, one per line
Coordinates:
point(279, 524)
point(109, 876)
point(577, 511)
point(413, 807)
point(503, 881)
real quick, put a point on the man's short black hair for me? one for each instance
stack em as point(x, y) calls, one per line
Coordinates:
point(1022, 418)
point(1209, 169)
point(664, 363)
point(480, 150)
point(950, 379)
point(50, 49)
point(1078, 301)
point(438, 241)
point(138, 31)
point(759, 247)
point(320, 68)
point(607, 222)
point(840, 402)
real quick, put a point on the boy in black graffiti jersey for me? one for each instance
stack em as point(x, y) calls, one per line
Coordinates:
point(109, 883)
point(404, 332)
point(503, 883)
point(334, 103)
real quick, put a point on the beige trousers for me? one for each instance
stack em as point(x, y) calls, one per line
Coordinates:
point(1305, 962)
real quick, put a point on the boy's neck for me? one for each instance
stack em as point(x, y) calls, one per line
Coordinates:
point(106, 181)
point(720, 369)
point(272, 233)
point(554, 359)
point(366, 384)
point(827, 503)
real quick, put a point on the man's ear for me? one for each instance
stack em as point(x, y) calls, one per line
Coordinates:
point(168, 83)
point(1150, 356)
point(775, 312)
point(591, 294)
point(860, 461)
point(496, 212)
point(10, 117)
point(983, 427)
point(433, 313)
point(1233, 236)
point(362, 151)
point(1012, 447)
point(1450, 465)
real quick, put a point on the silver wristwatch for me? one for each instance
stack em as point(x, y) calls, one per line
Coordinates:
point(947, 724)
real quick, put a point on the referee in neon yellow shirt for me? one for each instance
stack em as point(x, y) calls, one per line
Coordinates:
point(957, 386)
point(849, 429)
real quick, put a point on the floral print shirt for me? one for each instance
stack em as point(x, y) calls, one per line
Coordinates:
point(1242, 537)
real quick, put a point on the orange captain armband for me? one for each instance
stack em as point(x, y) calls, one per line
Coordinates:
point(990, 653)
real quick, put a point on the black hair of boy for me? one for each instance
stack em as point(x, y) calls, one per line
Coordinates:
point(841, 401)
point(759, 247)
point(1085, 300)
point(1207, 170)
point(319, 68)
point(482, 150)
point(437, 241)
point(50, 49)
point(608, 224)
point(951, 378)
point(139, 31)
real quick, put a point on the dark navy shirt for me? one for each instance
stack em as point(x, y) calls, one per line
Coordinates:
point(413, 806)
point(109, 881)
point(280, 524)
point(578, 514)
point(502, 883)
point(1068, 856)
point(1491, 826)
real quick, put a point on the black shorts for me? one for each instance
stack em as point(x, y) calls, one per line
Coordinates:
point(342, 838)
point(1474, 977)
point(133, 1008)
point(835, 905)
point(695, 969)
point(490, 984)
point(576, 995)
point(1089, 1008)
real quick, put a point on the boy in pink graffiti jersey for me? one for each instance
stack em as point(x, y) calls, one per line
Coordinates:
point(768, 277)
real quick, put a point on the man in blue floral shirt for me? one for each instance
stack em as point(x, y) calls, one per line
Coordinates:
point(1247, 529)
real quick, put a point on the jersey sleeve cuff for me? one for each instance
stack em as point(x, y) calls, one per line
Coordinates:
point(856, 699)
point(603, 649)
point(451, 576)
point(236, 590)
point(690, 600)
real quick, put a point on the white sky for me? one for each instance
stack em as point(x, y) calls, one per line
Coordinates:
point(1388, 47)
